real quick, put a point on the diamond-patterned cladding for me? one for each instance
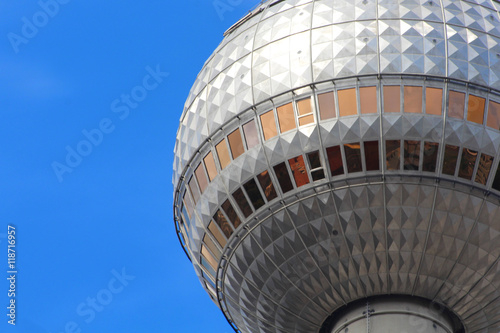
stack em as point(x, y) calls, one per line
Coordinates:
point(318, 247)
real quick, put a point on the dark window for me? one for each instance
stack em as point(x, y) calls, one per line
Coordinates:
point(371, 156)
point(353, 157)
point(430, 156)
point(242, 202)
point(412, 155)
point(483, 170)
point(450, 160)
point(254, 194)
point(496, 181)
point(299, 171)
point(224, 225)
point(317, 171)
point(283, 177)
point(467, 163)
point(267, 185)
point(335, 160)
point(393, 153)
point(231, 213)
point(326, 103)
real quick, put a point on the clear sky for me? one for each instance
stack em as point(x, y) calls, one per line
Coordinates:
point(90, 98)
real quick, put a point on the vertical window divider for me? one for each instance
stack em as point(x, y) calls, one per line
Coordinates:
point(459, 160)
point(494, 167)
point(442, 145)
point(362, 153)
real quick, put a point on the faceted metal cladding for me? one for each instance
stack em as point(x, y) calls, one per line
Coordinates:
point(332, 150)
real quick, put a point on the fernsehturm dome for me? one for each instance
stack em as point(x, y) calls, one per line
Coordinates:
point(337, 168)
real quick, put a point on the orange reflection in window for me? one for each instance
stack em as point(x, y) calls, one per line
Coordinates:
point(467, 163)
point(304, 106)
point(347, 102)
point(223, 153)
point(210, 165)
point(392, 98)
point(326, 103)
point(201, 178)
point(236, 143)
point(434, 101)
point(368, 99)
point(268, 125)
point(217, 234)
point(206, 254)
point(211, 246)
point(299, 170)
point(475, 109)
point(412, 99)
point(286, 117)
point(493, 115)
point(456, 104)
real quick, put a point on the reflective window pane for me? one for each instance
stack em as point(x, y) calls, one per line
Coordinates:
point(456, 104)
point(450, 160)
point(412, 99)
point(306, 120)
point(353, 157)
point(223, 224)
point(195, 193)
point(412, 155)
point(434, 101)
point(283, 177)
point(327, 105)
point(254, 194)
point(318, 174)
point(242, 202)
point(371, 156)
point(496, 181)
point(483, 170)
point(286, 118)
point(208, 257)
point(430, 156)
point(347, 102)
point(494, 115)
point(392, 99)
point(314, 160)
point(231, 213)
point(211, 246)
point(201, 178)
point(188, 204)
point(267, 185)
point(304, 106)
point(393, 153)
point(223, 153)
point(268, 125)
point(210, 165)
point(208, 265)
point(251, 136)
point(335, 160)
point(217, 234)
point(467, 163)
point(368, 99)
point(299, 171)
point(475, 109)
point(236, 143)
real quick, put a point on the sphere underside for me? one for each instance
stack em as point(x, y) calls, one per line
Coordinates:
point(332, 151)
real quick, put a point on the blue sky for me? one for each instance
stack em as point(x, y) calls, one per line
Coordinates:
point(85, 169)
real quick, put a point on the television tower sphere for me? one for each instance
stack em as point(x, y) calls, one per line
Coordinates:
point(337, 168)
